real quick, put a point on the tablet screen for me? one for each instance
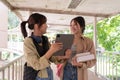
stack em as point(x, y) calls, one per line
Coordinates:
point(67, 40)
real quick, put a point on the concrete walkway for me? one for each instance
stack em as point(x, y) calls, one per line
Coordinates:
point(93, 76)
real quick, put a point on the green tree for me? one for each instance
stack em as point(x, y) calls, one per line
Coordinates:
point(13, 20)
point(108, 33)
point(89, 31)
point(108, 36)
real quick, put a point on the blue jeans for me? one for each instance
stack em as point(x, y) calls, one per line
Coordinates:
point(50, 75)
point(70, 72)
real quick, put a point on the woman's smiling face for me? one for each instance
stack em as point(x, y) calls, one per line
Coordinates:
point(75, 27)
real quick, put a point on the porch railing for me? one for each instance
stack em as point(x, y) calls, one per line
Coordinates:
point(108, 65)
point(12, 70)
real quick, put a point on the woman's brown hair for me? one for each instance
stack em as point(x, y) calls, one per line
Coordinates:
point(34, 18)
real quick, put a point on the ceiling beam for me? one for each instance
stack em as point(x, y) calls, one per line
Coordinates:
point(16, 9)
point(61, 11)
point(53, 24)
point(5, 2)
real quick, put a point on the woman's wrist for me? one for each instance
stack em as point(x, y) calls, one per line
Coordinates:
point(48, 54)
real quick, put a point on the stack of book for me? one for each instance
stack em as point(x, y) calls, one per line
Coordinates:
point(83, 57)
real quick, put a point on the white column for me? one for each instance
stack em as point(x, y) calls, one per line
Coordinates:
point(95, 32)
point(95, 38)
point(3, 25)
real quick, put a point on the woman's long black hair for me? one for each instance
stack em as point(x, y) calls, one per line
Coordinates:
point(81, 21)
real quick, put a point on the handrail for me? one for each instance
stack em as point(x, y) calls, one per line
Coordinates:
point(11, 62)
point(14, 69)
point(105, 64)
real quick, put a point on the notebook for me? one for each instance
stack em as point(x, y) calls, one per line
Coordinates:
point(83, 57)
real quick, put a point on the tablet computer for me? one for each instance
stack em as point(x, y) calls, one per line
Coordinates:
point(67, 40)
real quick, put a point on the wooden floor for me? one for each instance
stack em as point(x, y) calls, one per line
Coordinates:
point(93, 76)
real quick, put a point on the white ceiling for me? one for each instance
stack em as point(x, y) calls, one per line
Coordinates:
point(60, 12)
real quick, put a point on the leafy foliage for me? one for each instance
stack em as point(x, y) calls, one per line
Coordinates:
point(89, 31)
point(108, 33)
point(108, 36)
point(13, 20)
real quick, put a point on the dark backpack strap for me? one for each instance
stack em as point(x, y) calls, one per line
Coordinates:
point(29, 73)
point(45, 43)
point(38, 47)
